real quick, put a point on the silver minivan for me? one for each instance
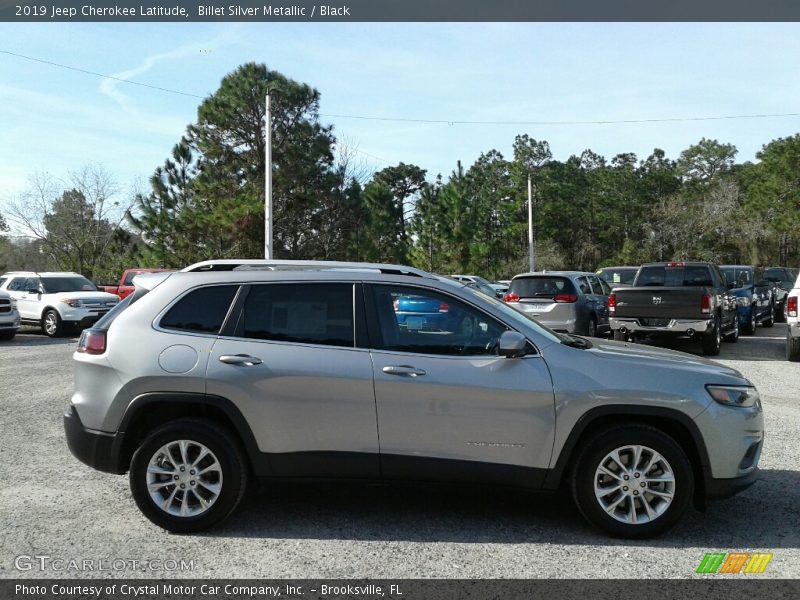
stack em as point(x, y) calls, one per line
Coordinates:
point(202, 380)
point(565, 301)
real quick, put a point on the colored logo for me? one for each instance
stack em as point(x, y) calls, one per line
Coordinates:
point(734, 562)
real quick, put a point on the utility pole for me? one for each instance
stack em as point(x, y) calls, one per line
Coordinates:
point(268, 181)
point(531, 249)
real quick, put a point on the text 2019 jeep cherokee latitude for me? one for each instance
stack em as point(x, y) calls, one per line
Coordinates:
point(203, 379)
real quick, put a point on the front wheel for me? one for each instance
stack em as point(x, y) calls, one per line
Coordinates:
point(632, 481)
point(750, 326)
point(712, 340)
point(8, 335)
point(770, 321)
point(188, 475)
point(52, 324)
point(733, 336)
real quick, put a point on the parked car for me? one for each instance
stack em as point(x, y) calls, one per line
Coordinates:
point(9, 315)
point(202, 379)
point(125, 285)
point(478, 283)
point(566, 301)
point(783, 279)
point(500, 287)
point(676, 299)
point(754, 298)
point(421, 313)
point(793, 323)
point(618, 276)
point(57, 301)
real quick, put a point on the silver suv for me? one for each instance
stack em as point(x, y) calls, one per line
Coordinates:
point(202, 380)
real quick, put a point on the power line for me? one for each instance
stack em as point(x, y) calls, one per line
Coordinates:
point(602, 122)
point(87, 72)
point(431, 121)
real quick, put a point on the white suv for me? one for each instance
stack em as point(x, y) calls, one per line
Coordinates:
point(57, 301)
point(9, 317)
point(793, 323)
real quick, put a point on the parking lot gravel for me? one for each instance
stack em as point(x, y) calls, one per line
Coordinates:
point(52, 505)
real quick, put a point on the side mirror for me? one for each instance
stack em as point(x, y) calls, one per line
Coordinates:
point(512, 345)
point(33, 292)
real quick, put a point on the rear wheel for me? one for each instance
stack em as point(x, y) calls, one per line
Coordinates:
point(619, 336)
point(780, 314)
point(591, 327)
point(712, 340)
point(188, 475)
point(793, 349)
point(632, 481)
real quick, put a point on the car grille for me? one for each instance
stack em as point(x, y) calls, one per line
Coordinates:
point(5, 305)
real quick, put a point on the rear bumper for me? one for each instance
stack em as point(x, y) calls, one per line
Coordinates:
point(97, 449)
point(674, 327)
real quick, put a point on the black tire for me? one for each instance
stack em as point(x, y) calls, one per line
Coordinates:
point(711, 340)
point(52, 325)
point(598, 448)
point(591, 327)
point(619, 336)
point(228, 454)
point(770, 321)
point(780, 314)
point(793, 349)
point(749, 328)
point(733, 336)
point(8, 335)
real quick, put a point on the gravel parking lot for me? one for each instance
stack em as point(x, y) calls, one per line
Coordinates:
point(50, 504)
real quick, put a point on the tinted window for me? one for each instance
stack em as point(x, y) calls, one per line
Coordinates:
point(428, 322)
point(675, 276)
point(2, 281)
point(598, 286)
point(624, 276)
point(737, 276)
point(318, 313)
point(202, 310)
point(56, 285)
point(17, 284)
point(541, 287)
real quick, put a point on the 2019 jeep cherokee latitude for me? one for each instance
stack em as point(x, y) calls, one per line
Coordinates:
point(202, 380)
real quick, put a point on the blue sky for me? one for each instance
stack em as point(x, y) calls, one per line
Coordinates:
point(57, 120)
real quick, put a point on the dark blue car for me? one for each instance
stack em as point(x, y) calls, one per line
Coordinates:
point(755, 299)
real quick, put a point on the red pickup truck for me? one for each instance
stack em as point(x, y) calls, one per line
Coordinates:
point(125, 286)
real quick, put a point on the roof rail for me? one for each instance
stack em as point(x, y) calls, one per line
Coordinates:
point(251, 264)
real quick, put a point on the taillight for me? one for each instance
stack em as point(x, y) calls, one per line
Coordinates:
point(565, 298)
point(509, 297)
point(612, 304)
point(791, 306)
point(706, 303)
point(444, 307)
point(674, 265)
point(93, 341)
point(396, 305)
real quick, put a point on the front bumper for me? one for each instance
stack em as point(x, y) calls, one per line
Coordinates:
point(97, 449)
point(725, 488)
point(673, 327)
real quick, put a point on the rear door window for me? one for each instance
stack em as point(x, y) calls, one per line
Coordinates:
point(202, 310)
point(303, 313)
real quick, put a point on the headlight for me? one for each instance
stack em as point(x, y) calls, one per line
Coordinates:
point(734, 395)
point(13, 304)
point(73, 302)
point(743, 301)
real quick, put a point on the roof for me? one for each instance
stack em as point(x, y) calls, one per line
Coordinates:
point(42, 274)
point(247, 264)
point(557, 273)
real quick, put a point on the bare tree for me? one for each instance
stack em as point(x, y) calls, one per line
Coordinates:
point(75, 220)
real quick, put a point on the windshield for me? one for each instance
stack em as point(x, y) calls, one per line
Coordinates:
point(76, 283)
point(778, 275)
point(624, 276)
point(738, 276)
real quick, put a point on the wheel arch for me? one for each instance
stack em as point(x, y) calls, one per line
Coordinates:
point(672, 422)
point(153, 409)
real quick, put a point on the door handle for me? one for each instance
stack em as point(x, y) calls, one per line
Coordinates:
point(240, 359)
point(405, 370)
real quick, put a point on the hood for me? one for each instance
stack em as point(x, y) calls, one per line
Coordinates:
point(88, 296)
point(650, 356)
